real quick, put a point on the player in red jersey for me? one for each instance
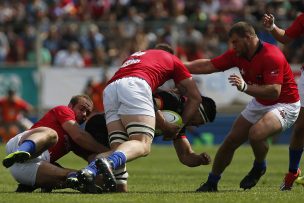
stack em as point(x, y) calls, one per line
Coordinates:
point(296, 145)
point(32, 152)
point(163, 100)
point(267, 77)
point(129, 109)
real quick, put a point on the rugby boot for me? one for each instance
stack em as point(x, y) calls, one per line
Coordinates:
point(207, 187)
point(289, 180)
point(252, 178)
point(109, 179)
point(15, 157)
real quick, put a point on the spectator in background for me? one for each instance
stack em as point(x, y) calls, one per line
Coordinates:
point(52, 40)
point(70, 57)
point(95, 91)
point(13, 111)
point(44, 58)
point(4, 46)
point(17, 50)
point(93, 39)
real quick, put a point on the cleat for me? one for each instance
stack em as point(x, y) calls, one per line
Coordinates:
point(252, 178)
point(104, 167)
point(72, 181)
point(300, 180)
point(83, 181)
point(15, 157)
point(289, 180)
point(207, 187)
point(25, 188)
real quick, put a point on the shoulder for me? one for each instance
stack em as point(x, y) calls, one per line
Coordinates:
point(62, 109)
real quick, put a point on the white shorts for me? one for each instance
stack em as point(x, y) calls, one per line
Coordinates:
point(301, 88)
point(127, 96)
point(286, 113)
point(25, 173)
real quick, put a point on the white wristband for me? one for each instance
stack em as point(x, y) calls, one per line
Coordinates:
point(244, 87)
point(271, 27)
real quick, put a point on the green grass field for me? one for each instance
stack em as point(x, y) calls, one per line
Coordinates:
point(161, 178)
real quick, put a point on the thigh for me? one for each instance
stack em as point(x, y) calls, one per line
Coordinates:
point(117, 134)
point(238, 133)
point(139, 127)
point(267, 126)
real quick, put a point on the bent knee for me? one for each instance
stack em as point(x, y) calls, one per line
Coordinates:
point(146, 149)
point(50, 134)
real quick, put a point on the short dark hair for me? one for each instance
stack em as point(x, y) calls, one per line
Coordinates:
point(75, 99)
point(164, 47)
point(241, 28)
point(208, 109)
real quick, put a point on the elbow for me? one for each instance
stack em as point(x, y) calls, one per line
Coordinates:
point(276, 94)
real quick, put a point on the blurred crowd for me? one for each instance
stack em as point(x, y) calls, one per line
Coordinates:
point(101, 33)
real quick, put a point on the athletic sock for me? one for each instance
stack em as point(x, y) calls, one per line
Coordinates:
point(27, 146)
point(259, 166)
point(294, 159)
point(93, 168)
point(213, 179)
point(117, 159)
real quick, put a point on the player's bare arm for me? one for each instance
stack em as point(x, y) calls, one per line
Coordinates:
point(200, 66)
point(278, 33)
point(189, 89)
point(260, 91)
point(187, 156)
point(82, 138)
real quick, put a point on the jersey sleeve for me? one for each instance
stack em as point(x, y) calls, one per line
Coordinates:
point(296, 29)
point(180, 71)
point(63, 114)
point(224, 61)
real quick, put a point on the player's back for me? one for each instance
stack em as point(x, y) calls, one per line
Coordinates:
point(154, 66)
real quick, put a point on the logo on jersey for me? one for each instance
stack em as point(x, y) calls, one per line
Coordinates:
point(283, 113)
point(130, 62)
point(274, 72)
point(139, 53)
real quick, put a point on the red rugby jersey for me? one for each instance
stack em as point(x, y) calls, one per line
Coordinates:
point(54, 119)
point(267, 66)
point(154, 66)
point(296, 29)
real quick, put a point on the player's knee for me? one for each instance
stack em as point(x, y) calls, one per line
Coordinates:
point(146, 149)
point(52, 136)
point(255, 135)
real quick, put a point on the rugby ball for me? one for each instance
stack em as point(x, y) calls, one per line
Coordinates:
point(172, 117)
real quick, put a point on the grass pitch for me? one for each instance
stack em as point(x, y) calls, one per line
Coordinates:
point(161, 178)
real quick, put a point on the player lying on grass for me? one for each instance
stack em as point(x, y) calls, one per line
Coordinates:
point(163, 100)
point(96, 126)
point(31, 154)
